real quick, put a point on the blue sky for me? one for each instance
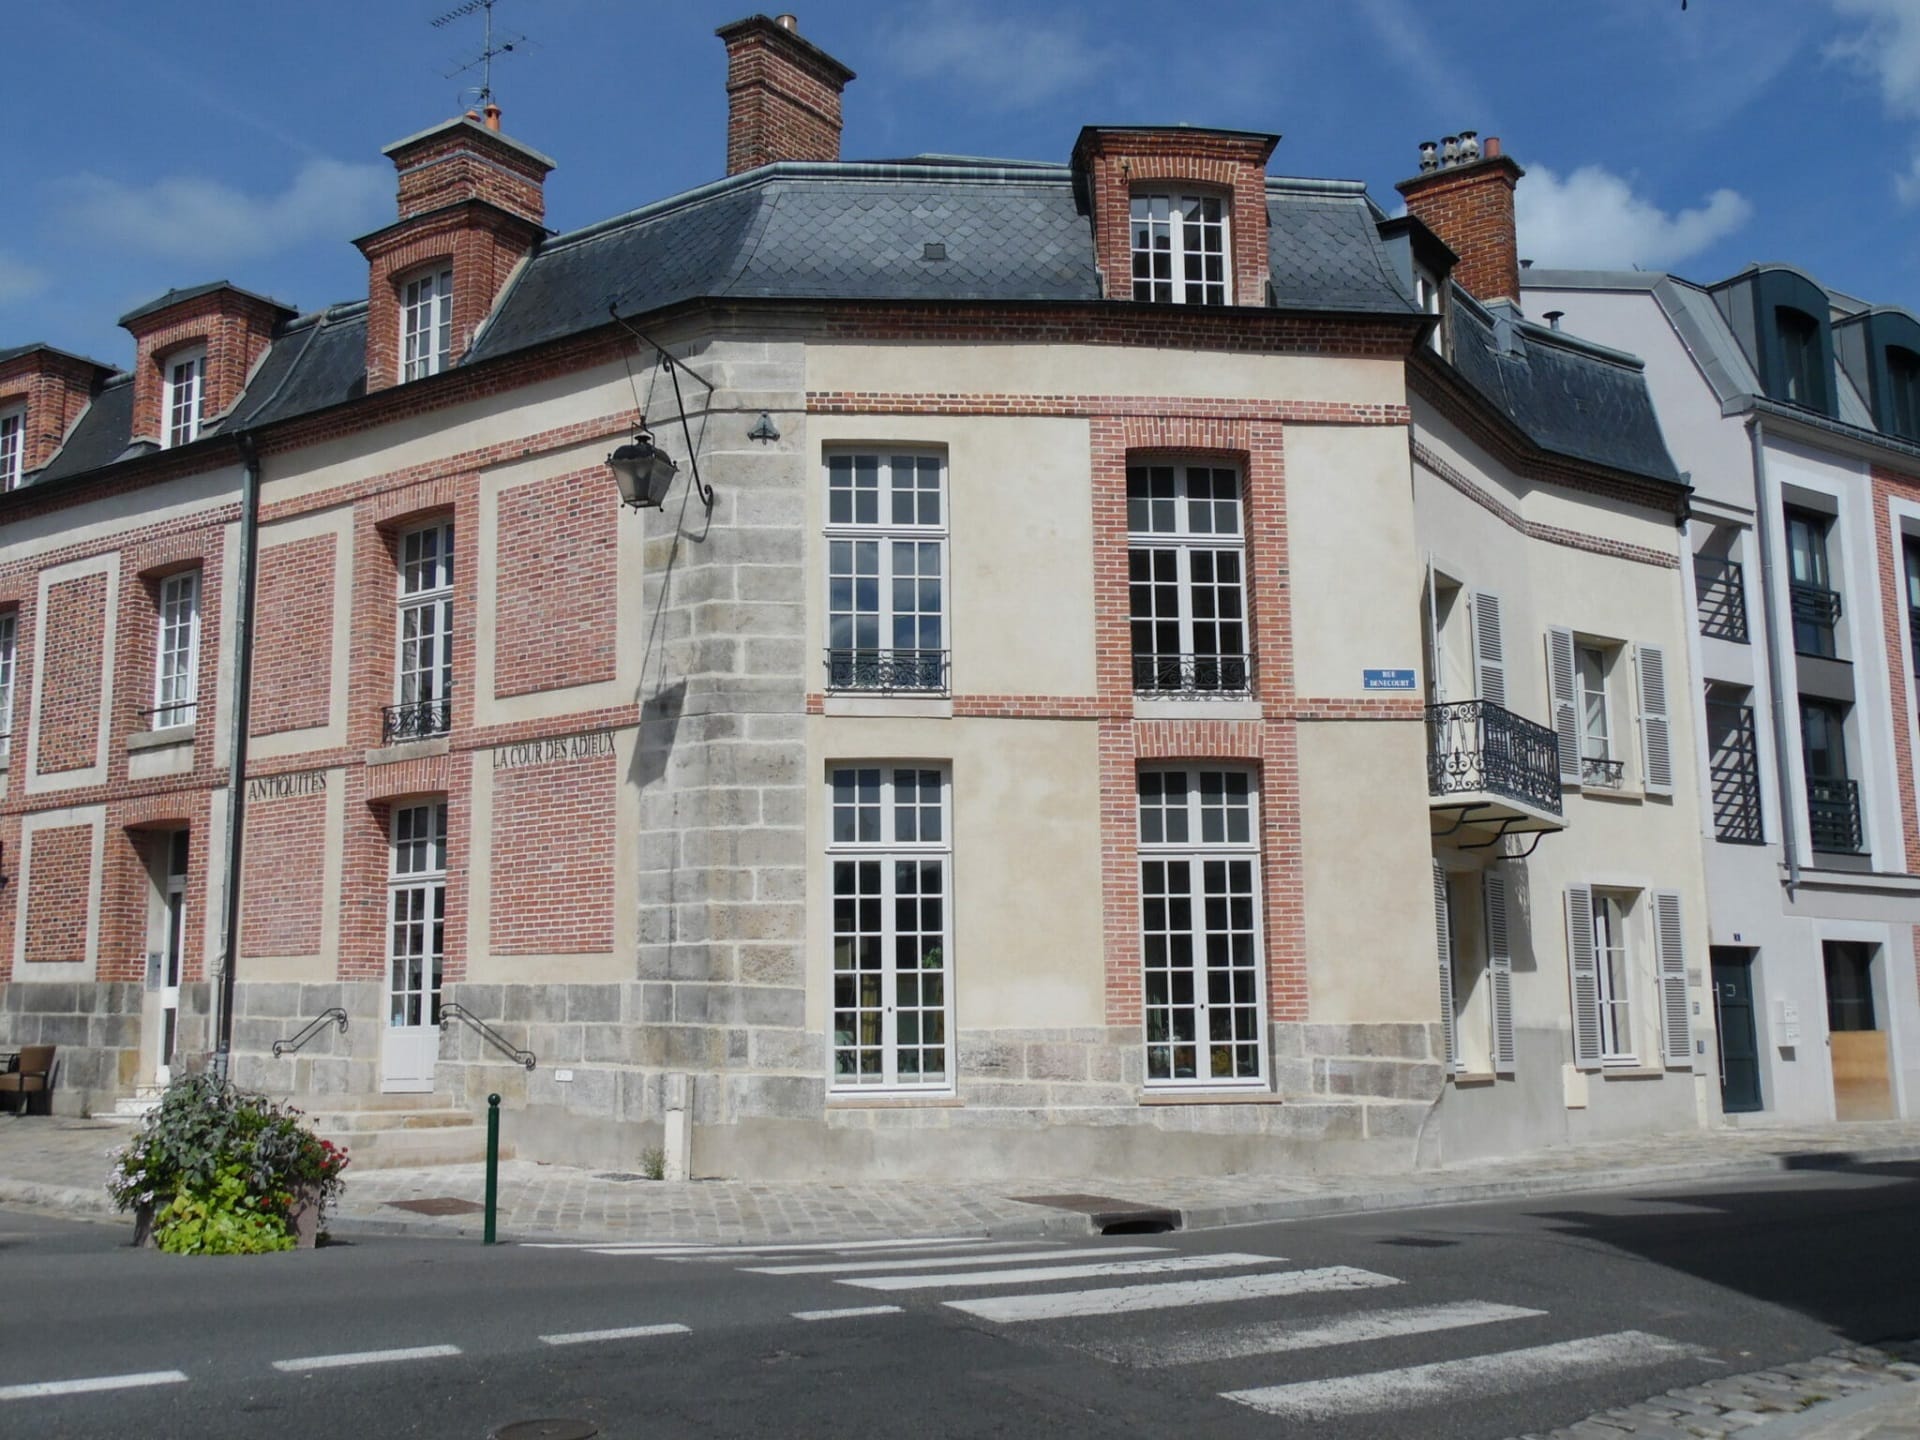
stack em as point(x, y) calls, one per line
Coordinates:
point(167, 144)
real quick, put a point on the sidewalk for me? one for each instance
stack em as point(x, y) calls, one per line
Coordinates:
point(61, 1164)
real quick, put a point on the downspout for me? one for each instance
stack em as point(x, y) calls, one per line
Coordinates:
point(237, 749)
point(1770, 618)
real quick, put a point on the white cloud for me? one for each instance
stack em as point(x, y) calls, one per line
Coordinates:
point(19, 280)
point(189, 218)
point(1420, 53)
point(1907, 183)
point(1886, 46)
point(1593, 220)
point(1007, 63)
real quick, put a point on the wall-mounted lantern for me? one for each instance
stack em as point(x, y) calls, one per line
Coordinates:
point(643, 472)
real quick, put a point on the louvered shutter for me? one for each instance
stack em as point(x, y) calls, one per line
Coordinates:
point(1566, 712)
point(1443, 944)
point(1489, 650)
point(1656, 734)
point(1583, 973)
point(1669, 943)
point(1499, 969)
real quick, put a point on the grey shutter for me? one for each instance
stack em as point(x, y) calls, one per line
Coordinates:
point(1583, 973)
point(1566, 713)
point(1489, 650)
point(1499, 969)
point(1656, 734)
point(1669, 943)
point(1443, 944)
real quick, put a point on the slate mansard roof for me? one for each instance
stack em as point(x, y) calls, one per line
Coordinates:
point(930, 229)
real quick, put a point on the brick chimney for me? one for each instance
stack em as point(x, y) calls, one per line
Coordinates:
point(783, 94)
point(229, 327)
point(471, 205)
point(49, 388)
point(1464, 194)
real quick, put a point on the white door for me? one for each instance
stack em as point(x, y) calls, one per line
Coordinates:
point(173, 923)
point(416, 931)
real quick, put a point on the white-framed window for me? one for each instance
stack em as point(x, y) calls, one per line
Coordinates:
point(1186, 579)
point(1589, 685)
point(416, 913)
point(424, 684)
point(13, 446)
point(1598, 765)
point(9, 623)
point(426, 324)
point(886, 570)
point(890, 855)
point(185, 394)
point(1613, 958)
point(1203, 985)
point(176, 670)
point(1629, 999)
point(1180, 249)
point(1426, 294)
point(1476, 969)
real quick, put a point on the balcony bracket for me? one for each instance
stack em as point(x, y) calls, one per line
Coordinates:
point(1506, 829)
point(1463, 815)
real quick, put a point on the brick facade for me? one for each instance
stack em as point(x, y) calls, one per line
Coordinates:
point(553, 881)
point(73, 679)
point(54, 388)
point(235, 329)
point(556, 619)
point(1470, 207)
point(783, 96)
point(59, 879)
point(292, 636)
point(281, 879)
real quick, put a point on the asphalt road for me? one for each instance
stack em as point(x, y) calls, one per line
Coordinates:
point(1474, 1322)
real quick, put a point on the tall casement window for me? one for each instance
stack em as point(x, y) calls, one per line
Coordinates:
point(1426, 294)
point(9, 624)
point(1604, 963)
point(176, 670)
point(1186, 587)
point(13, 446)
point(417, 913)
point(1200, 927)
point(1800, 357)
point(424, 687)
point(186, 375)
point(1594, 692)
point(1816, 604)
point(1180, 249)
point(1834, 819)
point(1903, 391)
point(426, 324)
point(886, 571)
point(1597, 765)
point(891, 860)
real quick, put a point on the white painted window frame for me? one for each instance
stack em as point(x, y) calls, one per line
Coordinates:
point(1184, 541)
point(1614, 913)
point(13, 446)
point(9, 638)
point(416, 911)
point(898, 473)
point(184, 396)
point(885, 847)
point(1194, 852)
point(425, 603)
point(426, 322)
point(176, 651)
point(1168, 215)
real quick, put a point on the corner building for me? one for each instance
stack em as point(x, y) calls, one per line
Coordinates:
point(1033, 761)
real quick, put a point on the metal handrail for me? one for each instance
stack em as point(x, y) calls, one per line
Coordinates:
point(449, 1010)
point(191, 707)
point(335, 1017)
point(1477, 746)
point(1192, 676)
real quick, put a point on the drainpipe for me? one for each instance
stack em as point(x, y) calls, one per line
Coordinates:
point(1763, 539)
point(237, 750)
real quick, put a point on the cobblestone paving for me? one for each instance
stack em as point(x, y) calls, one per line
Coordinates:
point(1758, 1404)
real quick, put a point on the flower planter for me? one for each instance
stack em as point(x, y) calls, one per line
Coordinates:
point(303, 1219)
point(143, 1226)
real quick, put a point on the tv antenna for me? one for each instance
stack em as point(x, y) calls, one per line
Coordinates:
point(495, 45)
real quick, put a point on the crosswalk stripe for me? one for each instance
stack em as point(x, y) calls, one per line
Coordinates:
point(850, 1313)
point(630, 1332)
point(1354, 1329)
point(1169, 1294)
point(1044, 1273)
point(44, 1388)
point(1475, 1377)
point(752, 1252)
point(850, 1267)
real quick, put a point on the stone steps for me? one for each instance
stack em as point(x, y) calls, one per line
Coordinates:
point(386, 1132)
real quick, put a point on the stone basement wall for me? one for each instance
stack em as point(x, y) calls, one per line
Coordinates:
point(97, 1029)
point(327, 1065)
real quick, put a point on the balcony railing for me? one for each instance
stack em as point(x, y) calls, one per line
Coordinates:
point(1733, 769)
point(1192, 676)
point(1723, 598)
point(1601, 773)
point(1816, 610)
point(1833, 815)
point(165, 717)
point(1475, 746)
point(416, 720)
point(918, 671)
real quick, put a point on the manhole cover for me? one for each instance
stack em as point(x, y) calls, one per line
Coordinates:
point(547, 1430)
point(440, 1205)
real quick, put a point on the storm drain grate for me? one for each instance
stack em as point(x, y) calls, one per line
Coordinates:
point(439, 1205)
point(1111, 1216)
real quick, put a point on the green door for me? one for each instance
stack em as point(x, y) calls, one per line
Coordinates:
point(1739, 1044)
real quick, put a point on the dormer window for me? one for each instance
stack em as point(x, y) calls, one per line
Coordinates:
point(13, 446)
point(1800, 357)
point(1426, 294)
point(1903, 391)
point(426, 324)
point(1180, 249)
point(186, 386)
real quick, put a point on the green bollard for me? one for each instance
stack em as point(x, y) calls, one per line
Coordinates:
point(493, 1163)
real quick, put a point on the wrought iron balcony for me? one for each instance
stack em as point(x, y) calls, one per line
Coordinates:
point(1601, 773)
point(1833, 815)
point(1816, 610)
point(1192, 676)
point(416, 720)
point(1477, 747)
point(1733, 768)
point(918, 671)
point(1723, 599)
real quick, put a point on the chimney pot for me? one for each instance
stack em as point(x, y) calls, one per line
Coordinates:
point(1492, 148)
point(493, 116)
point(1467, 200)
point(1450, 150)
point(1553, 317)
point(1429, 155)
point(1469, 146)
point(788, 21)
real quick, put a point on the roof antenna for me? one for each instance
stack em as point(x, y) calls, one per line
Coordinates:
point(493, 46)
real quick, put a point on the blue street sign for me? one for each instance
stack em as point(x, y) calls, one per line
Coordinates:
point(1387, 679)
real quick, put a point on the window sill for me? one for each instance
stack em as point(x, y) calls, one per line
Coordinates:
point(1210, 1097)
point(938, 706)
point(1472, 1079)
point(160, 739)
point(1190, 707)
point(1624, 794)
point(410, 750)
point(849, 1101)
point(1632, 1072)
